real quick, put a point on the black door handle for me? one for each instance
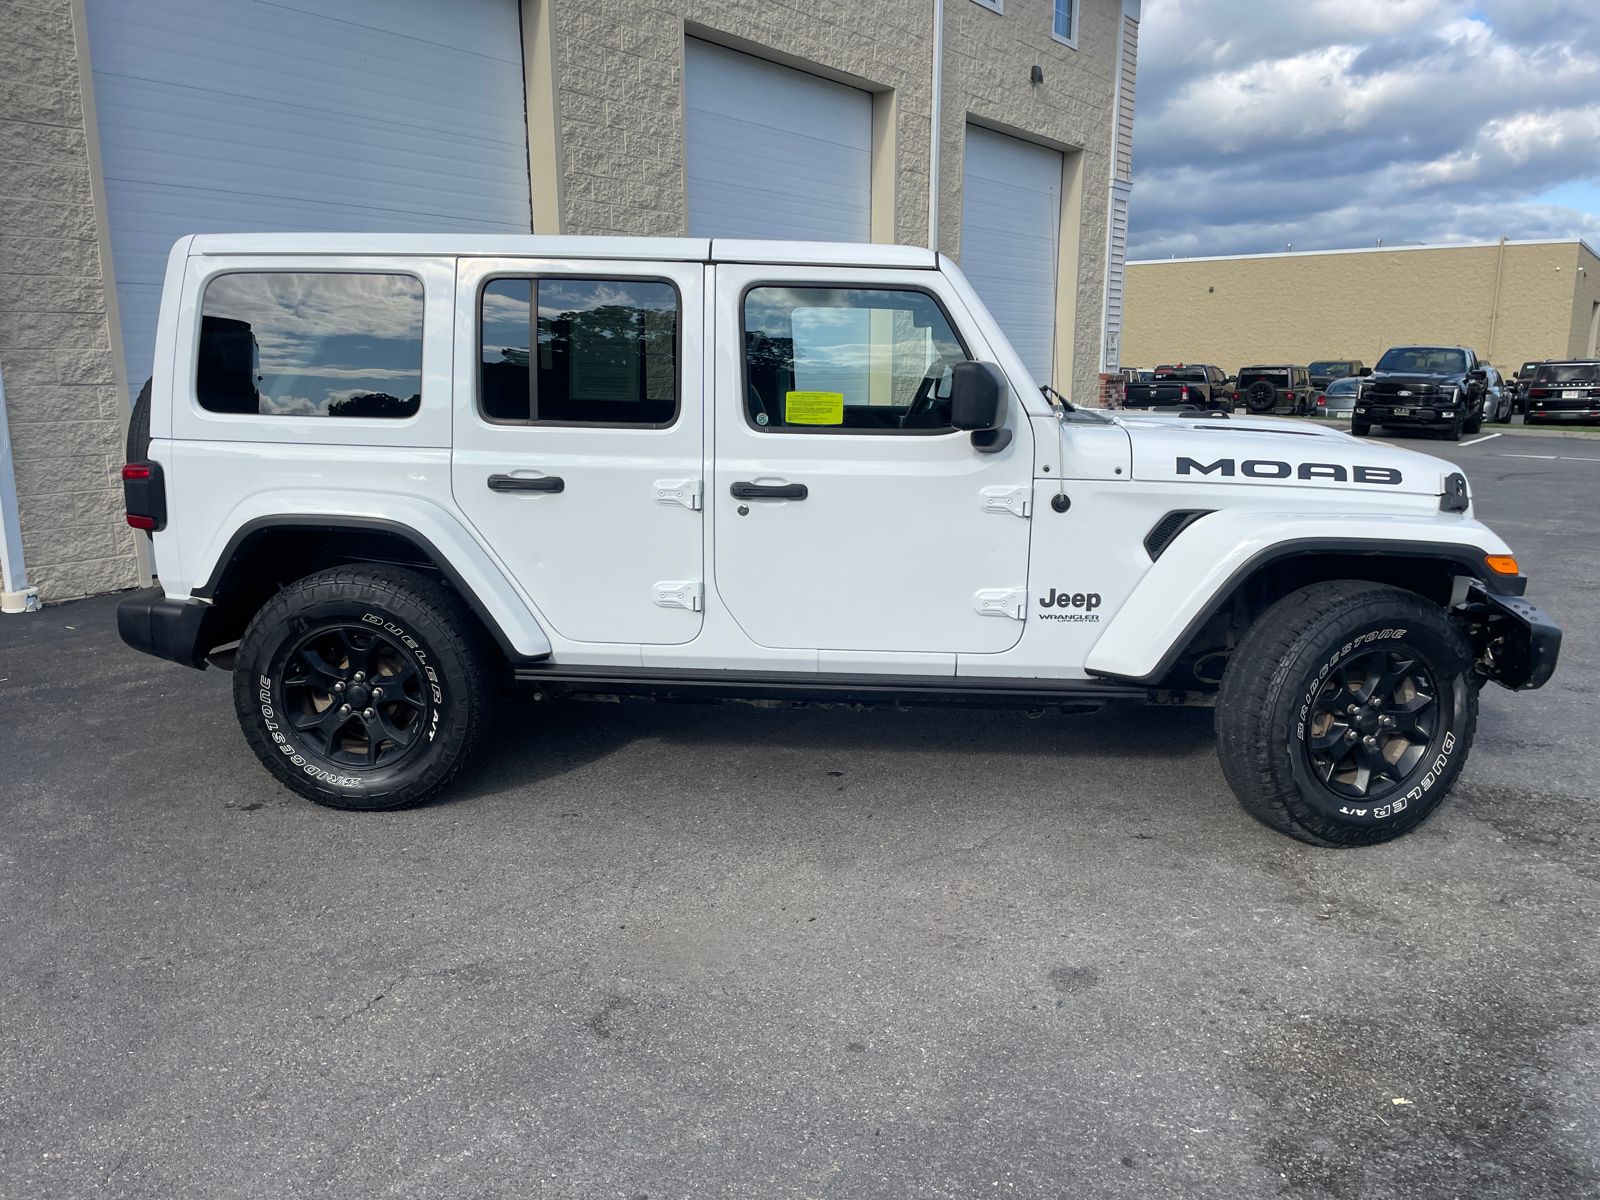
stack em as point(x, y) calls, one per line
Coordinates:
point(769, 491)
point(515, 483)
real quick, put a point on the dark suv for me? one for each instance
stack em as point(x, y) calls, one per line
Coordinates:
point(1325, 371)
point(1423, 387)
point(1285, 390)
point(1564, 392)
point(1520, 382)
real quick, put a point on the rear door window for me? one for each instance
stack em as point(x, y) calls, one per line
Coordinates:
point(579, 352)
point(311, 344)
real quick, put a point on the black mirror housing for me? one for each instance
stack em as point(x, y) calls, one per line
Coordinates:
point(978, 392)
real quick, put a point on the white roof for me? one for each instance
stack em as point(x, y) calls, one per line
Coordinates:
point(538, 245)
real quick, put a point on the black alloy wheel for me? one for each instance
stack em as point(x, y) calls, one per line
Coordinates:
point(1347, 712)
point(1262, 397)
point(1374, 720)
point(363, 687)
point(356, 696)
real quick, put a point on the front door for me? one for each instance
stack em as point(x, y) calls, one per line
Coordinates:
point(848, 514)
point(579, 440)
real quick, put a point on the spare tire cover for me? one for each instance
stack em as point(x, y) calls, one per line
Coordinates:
point(1261, 396)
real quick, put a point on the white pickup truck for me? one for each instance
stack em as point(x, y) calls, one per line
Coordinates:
point(387, 476)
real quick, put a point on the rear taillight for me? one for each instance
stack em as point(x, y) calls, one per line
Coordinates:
point(144, 496)
point(1322, 401)
point(1236, 395)
point(1184, 394)
point(1291, 397)
point(1538, 392)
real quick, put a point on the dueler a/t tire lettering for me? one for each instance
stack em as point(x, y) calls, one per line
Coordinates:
point(362, 687)
point(1328, 665)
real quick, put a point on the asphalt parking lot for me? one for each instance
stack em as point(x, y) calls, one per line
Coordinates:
point(679, 951)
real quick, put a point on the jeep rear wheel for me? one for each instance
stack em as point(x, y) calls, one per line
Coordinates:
point(362, 687)
point(1346, 713)
point(1262, 397)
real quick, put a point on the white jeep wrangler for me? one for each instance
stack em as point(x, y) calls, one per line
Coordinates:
point(386, 475)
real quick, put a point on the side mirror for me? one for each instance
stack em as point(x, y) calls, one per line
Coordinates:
point(1365, 371)
point(978, 394)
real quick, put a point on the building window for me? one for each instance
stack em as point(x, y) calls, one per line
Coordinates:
point(311, 344)
point(1065, 28)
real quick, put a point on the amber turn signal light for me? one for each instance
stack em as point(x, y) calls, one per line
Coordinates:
point(1502, 564)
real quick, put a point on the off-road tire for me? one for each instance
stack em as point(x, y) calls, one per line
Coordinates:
point(1291, 666)
point(1453, 433)
point(138, 441)
point(405, 633)
point(1473, 424)
point(1261, 397)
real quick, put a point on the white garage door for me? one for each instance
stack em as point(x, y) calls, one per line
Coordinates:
point(221, 116)
point(1010, 228)
point(775, 152)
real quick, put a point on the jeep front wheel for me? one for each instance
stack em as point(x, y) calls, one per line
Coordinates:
point(362, 687)
point(1346, 713)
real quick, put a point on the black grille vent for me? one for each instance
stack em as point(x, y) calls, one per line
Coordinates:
point(1169, 527)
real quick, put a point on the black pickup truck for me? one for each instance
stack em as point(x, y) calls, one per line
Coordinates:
point(1423, 387)
point(1197, 385)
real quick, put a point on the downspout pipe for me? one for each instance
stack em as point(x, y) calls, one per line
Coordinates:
point(15, 594)
point(933, 146)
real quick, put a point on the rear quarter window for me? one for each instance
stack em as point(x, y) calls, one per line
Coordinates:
point(311, 344)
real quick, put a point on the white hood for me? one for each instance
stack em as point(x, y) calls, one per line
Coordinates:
point(1277, 453)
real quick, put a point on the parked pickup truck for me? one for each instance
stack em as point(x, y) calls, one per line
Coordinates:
point(1198, 386)
point(1442, 388)
point(387, 475)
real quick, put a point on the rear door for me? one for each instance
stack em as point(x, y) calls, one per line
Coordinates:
point(848, 514)
point(579, 438)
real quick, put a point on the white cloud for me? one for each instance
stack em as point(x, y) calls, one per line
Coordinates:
point(1337, 122)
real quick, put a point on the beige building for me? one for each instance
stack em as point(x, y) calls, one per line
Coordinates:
point(1509, 301)
point(997, 130)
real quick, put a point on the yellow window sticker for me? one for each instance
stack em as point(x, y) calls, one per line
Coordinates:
point(813, 408)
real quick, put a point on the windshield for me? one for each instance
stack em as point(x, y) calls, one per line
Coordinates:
point(1529, 368)
point(1424, 360)
point(1181, 374)
point(1570, 373)
point(1330, 368)
point(1348, 384)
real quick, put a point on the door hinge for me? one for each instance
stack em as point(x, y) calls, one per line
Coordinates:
point(1018, 501)
point(686, 492)
point(1002, 602)
point(680, 593)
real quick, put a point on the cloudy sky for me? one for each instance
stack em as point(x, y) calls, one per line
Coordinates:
point(1333, 123)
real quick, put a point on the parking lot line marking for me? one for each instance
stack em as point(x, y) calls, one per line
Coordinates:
point(1549, 456)
point(1485, 438)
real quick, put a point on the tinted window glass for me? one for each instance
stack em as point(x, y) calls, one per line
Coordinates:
point(1423, 360)
point(1277, 379)
point(590, 351)
point(1181, 374)
point(864, 359)
point(1348, 384)
point(311, 344)
point(1569, 373)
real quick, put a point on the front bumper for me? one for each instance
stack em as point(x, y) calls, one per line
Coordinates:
point(1428, 416)
point(1515, 644)
point(171, 629)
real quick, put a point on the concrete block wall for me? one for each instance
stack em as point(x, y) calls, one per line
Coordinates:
point(1304, 306)
point(66, 415)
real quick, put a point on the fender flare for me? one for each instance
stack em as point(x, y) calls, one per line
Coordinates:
point(1205, 563)
point(486, 591)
